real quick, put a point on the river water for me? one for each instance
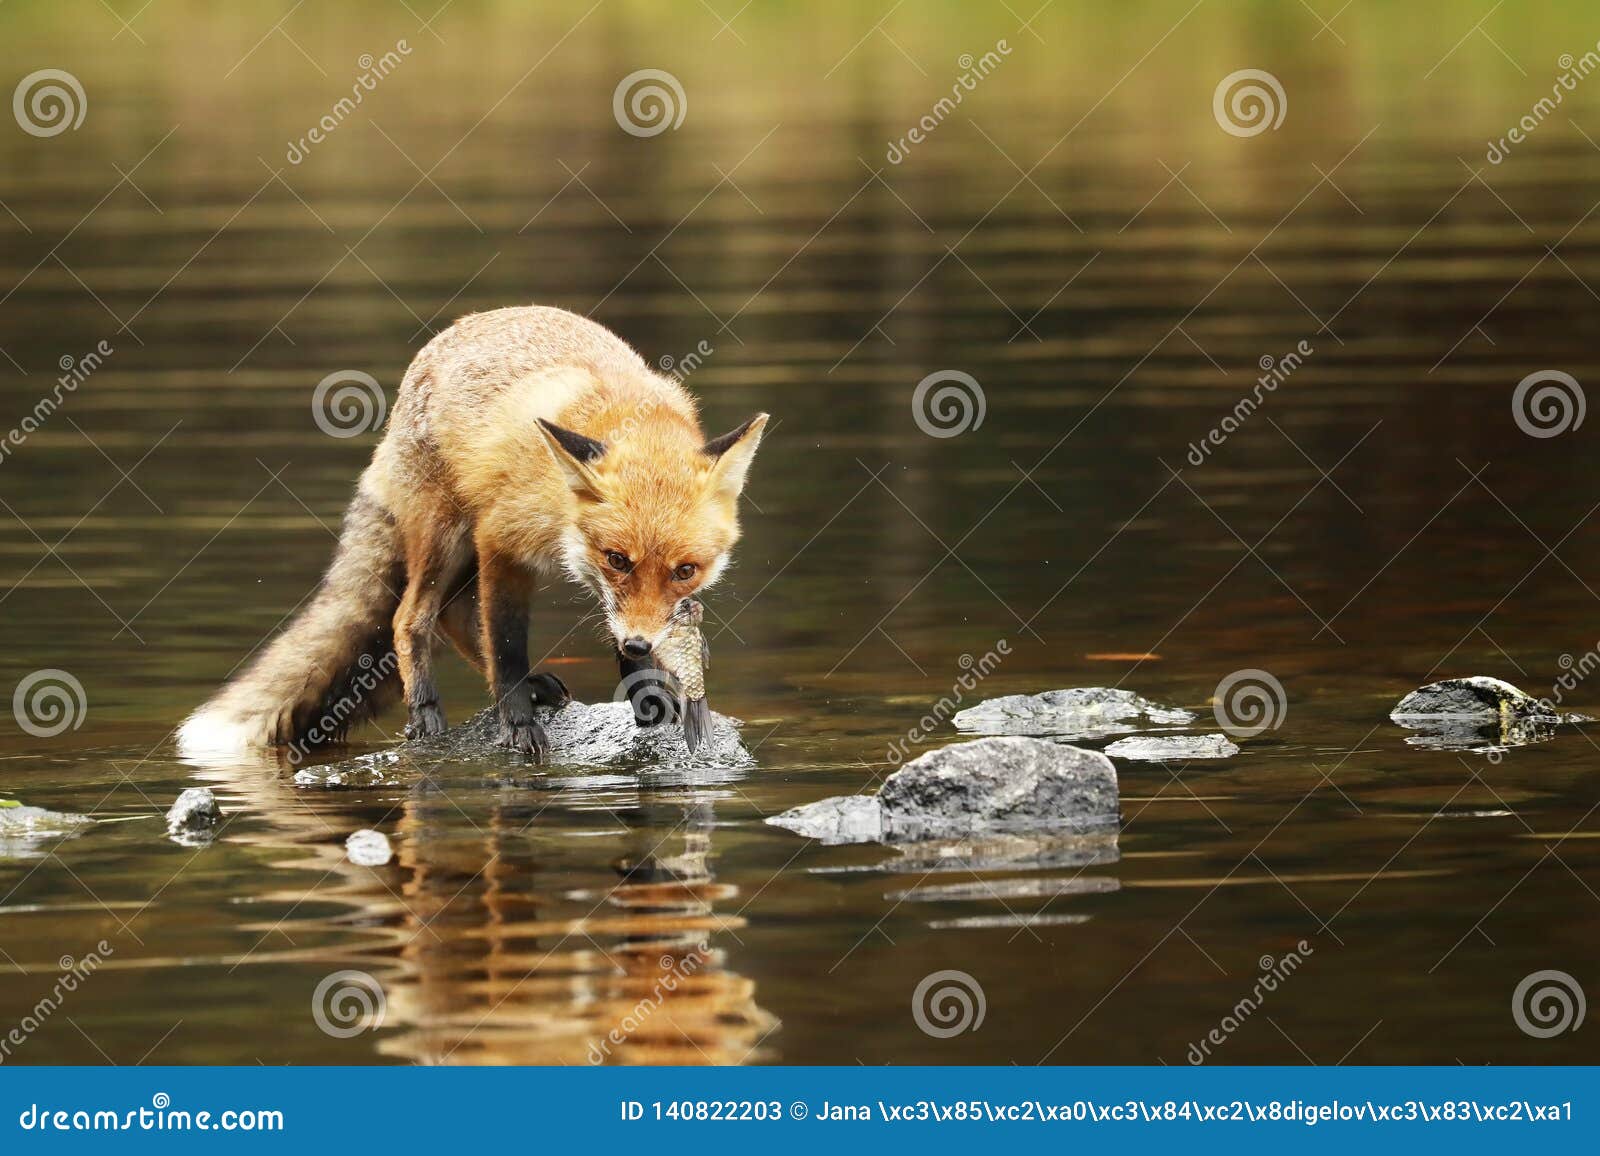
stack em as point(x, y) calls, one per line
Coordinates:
point(1084, 240)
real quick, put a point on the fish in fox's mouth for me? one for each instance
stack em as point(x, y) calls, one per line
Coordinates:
point(684, 653)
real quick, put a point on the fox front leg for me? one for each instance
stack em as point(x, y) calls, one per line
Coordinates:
point(505, 590)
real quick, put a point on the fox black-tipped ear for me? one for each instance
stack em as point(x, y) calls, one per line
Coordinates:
point(575, 454)
point(732, 453)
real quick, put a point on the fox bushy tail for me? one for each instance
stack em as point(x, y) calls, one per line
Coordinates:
point(334, 665)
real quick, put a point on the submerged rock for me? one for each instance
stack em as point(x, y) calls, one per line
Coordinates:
point(368, 848)
point(23, 828)
point(1079, 712)
point(1003, 784)
point(194, 817)
point(1172, 748)
point(841, 819)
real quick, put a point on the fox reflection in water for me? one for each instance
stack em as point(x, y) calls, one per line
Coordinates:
point(477, 961)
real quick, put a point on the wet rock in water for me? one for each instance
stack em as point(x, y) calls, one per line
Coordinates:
point(24, 829)
point(194, 817)
point(841, 819)
point(581, 734)
point(1080, 712)
point(368, 848)
point(597, 734)
point(999, 784)
point(1477, 714)
point(1002, 784)
point(1173, 748)
point(1477, 698)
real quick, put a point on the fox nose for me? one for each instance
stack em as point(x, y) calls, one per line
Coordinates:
point(636, 647)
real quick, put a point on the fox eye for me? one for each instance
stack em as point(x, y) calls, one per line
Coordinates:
point(617, 560)
point(685, 572)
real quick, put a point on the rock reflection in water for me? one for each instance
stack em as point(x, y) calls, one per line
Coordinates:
point(1477, 737)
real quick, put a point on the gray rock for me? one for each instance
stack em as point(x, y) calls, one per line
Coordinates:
point(601, 734)
point(1477, 714)
point(1080, 712)
point(24, 829)
point(368, 848)
point(194, 817)
point(999, 784)
point(841, 819)
point(598, 734)
point(1173, 748)
point(1477, 699)
point(994, 785)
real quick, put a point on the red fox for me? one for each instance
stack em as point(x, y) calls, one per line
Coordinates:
point(524, 443)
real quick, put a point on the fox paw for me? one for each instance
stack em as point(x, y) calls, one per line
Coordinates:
point(548, 690)
point(424, 721)
point(526, 737)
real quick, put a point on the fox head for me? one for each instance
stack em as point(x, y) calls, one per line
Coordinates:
point(656, 516)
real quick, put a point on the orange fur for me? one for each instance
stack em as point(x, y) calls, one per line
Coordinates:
point(476, 490)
